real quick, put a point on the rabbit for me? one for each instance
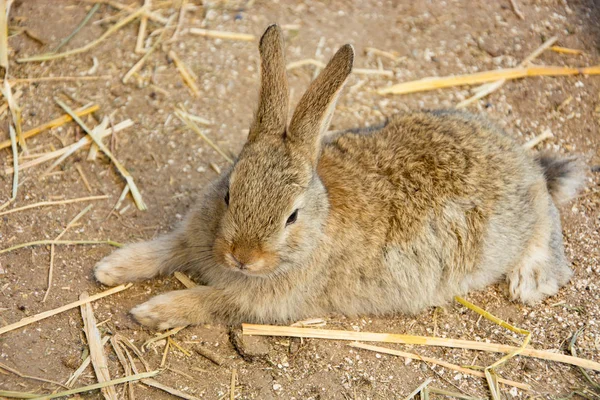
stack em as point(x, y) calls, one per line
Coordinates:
point(395, 219)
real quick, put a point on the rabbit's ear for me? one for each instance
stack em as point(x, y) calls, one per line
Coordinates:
point(271, 116)
point(315, 109)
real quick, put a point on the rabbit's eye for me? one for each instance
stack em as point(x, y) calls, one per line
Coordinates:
point(226, 198)
point(292, 218)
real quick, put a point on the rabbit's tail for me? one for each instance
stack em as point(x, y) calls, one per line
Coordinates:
point(564, 176)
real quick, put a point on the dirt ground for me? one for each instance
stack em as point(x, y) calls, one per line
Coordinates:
point(171, 165)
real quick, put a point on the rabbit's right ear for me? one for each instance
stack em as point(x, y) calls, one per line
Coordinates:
point(315, 109)
point(271, 115)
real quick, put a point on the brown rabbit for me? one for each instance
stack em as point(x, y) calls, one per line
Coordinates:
point(430, 205)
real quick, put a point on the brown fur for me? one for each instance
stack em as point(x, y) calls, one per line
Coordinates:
point(431, 205)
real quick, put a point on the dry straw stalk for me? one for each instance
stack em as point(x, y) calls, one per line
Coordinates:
point(99, 361)
point(136, 377)
point(223, 35)
point(430, 360)
point(54, 203)
point(53, 124)
point(272, 330)
point(55, 242)
point(89, 46)
point(484, 77)
point(70, 149)
point(50, 313)
point(137, 196)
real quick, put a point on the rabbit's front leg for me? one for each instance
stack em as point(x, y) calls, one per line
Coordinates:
point(144, 260)
point(198, 305)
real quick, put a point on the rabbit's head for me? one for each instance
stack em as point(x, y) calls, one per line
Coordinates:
point(275, 204)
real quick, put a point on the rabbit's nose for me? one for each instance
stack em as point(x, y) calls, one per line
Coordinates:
point(237, 262)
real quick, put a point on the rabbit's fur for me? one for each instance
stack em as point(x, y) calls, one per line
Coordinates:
point(429, 206)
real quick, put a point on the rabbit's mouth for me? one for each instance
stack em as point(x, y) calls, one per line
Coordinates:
point(249, 261)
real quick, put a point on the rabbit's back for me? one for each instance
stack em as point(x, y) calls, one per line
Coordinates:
point(418, 208)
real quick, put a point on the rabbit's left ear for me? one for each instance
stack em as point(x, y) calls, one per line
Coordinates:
point(315, 109)
point(271, 115)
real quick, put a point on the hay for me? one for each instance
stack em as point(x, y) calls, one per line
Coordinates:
point(530, 144)
point(86, 140)
point(272, 330)
point(54, 203)
point(79, 371)
point(183, 116)
point(4, 37)
point(62, 242)
point(139, 43)
point(565, 50)
point(70, 224)
point(489, 88)
point(432, 83)
point(83, 23)
point(89, 46)
point(223, 35)
point(137, 196)
point(100, 385)
point(97, 355)
point(188, 77)
point(53, 124)
point(430, 360)
point(320, 65)
point(43, 315)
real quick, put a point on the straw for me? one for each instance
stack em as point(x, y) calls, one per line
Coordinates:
point(15, 112)
point(547, 134)
point(50, 313)
point(419, 388)
point(186, 74)
point(223, 34)
point(43, 79)
point(101, 385)
point(138, 65)
point(73, 378)
point(97, 356)
point(4, 36)
point(183, 117)
point(161, 336)
point(484, 77)
point(565, 50)
point(53, 124)
point(515, 7)
point(13, 143)
point(70, 224)
point(139, 43)
point(185, 281)
point(321, 65)
point(488, 88)
point(430, 360)
point(72, 147)
point(35, 378)
point(89, 46)
point(120, 6)
point(272, 330)
point(83, 23)
point(97, 129)
point(137, 196)
point(54, 203)
point(175, 392)
point(63, 242)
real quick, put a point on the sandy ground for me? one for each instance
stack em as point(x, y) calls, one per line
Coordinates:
point(171, 164)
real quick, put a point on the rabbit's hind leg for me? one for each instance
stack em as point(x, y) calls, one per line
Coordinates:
point(139, 261)
point(543, 267)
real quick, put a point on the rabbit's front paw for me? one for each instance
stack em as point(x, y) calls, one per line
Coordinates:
point(132, 263)
point(178, 308)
